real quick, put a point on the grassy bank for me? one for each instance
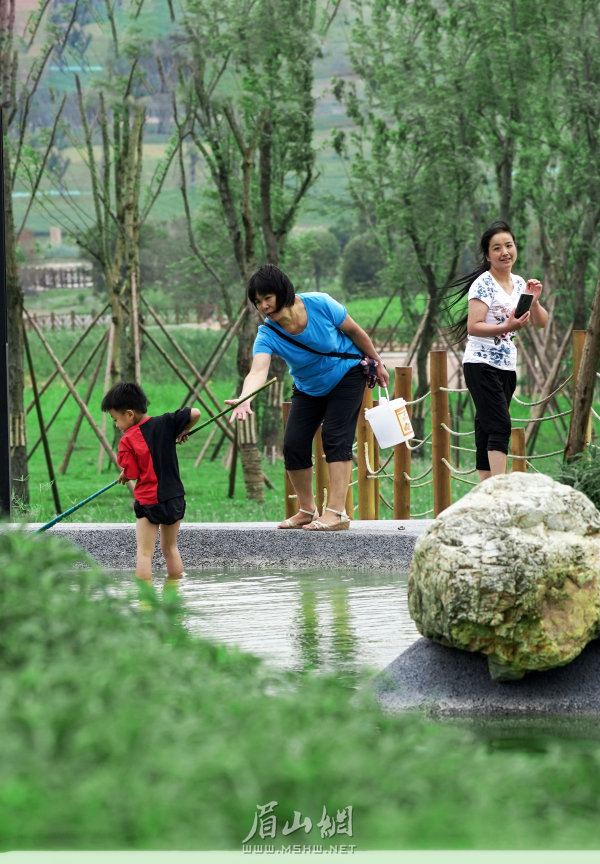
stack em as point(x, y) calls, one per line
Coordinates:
point(122, 731)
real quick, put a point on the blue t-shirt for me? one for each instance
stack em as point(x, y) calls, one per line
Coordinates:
point(312, 373)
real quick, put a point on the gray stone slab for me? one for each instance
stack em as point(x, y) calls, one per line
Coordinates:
point(447, 682)
point(367, 545)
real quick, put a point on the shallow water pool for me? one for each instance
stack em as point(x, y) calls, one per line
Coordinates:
point(326, 620)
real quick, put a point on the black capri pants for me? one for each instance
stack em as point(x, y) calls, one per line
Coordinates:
point(337, 411)
point(491, 390)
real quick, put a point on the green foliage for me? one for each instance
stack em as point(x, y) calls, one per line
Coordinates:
point(361, 262)
point(120, 730)
point(311, 258)
point(583, 473)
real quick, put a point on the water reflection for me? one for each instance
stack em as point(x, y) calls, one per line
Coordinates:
point(324, 620)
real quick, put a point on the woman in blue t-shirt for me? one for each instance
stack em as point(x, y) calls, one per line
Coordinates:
point(327, 389)
point(490, 358)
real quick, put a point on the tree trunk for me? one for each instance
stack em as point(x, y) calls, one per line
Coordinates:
point(586, 381)
point(18, 429)
point(248, 440)
point(271, 425)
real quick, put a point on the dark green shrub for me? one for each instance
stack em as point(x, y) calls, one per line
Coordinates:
point(583, 473)
point(120, 730)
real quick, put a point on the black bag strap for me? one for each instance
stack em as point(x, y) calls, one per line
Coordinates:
point(340, 354)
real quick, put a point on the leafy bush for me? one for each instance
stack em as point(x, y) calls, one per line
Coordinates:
point(361, 262)
point(120, 730)
point(583, 473)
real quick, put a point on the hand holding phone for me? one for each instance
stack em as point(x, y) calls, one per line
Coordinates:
point(523, 304)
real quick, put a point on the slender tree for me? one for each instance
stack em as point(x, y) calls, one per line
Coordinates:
point(412, 170)
point(247, 103)
point(110, 139)
point(22, 71)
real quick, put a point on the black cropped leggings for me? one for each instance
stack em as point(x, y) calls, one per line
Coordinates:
point(337, 411)
point(491, 390)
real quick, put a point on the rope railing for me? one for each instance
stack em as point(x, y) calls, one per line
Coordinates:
point(541, 419)
point(545, 455)
point(420, 399)
point(546, 398)
point(372, 469)
point(420, 443)
point(424, 513)
point(459, 475)
point(456, 470)
point(421, 485)
point(464, 449)
point(419, 477)
point(454, 432)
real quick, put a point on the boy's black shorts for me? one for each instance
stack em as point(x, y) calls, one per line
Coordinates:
point(163, 513)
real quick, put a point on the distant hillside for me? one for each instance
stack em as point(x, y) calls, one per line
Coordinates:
point(327, 197)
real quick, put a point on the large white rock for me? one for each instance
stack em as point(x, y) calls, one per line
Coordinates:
point(511, 570)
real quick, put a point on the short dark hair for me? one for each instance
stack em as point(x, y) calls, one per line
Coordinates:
point(269, 279)
point(125, 396)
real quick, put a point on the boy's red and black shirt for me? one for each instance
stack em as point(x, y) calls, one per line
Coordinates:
point(148, 453)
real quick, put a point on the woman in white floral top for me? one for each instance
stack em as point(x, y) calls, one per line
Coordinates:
point(490, 358)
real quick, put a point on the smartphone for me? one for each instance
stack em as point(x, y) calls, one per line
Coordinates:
point(523, 304)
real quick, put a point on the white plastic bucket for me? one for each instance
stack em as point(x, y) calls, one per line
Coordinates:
point(390, 421)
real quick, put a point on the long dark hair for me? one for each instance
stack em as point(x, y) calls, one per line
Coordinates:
point(457, 330)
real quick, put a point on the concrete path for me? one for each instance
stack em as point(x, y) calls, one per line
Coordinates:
point(378, 545)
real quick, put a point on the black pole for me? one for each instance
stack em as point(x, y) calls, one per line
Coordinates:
point(4, 411)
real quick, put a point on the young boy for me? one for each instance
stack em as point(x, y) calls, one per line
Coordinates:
point(147, 454)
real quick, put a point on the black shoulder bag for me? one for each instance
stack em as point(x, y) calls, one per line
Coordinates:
point(368, 364)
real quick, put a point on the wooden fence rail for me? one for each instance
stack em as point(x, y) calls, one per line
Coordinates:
point(368, 456)
point(201, 314)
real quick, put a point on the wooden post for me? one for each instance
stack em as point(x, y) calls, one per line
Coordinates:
point(578, 343)
point(517, 450)
point(440, 438)
point(232, 467)
point(350, 499)
point(107, 380)
point(402, 455)
point(321, 473)
point(364, 435)
point(375, 465)
point(291, 502)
